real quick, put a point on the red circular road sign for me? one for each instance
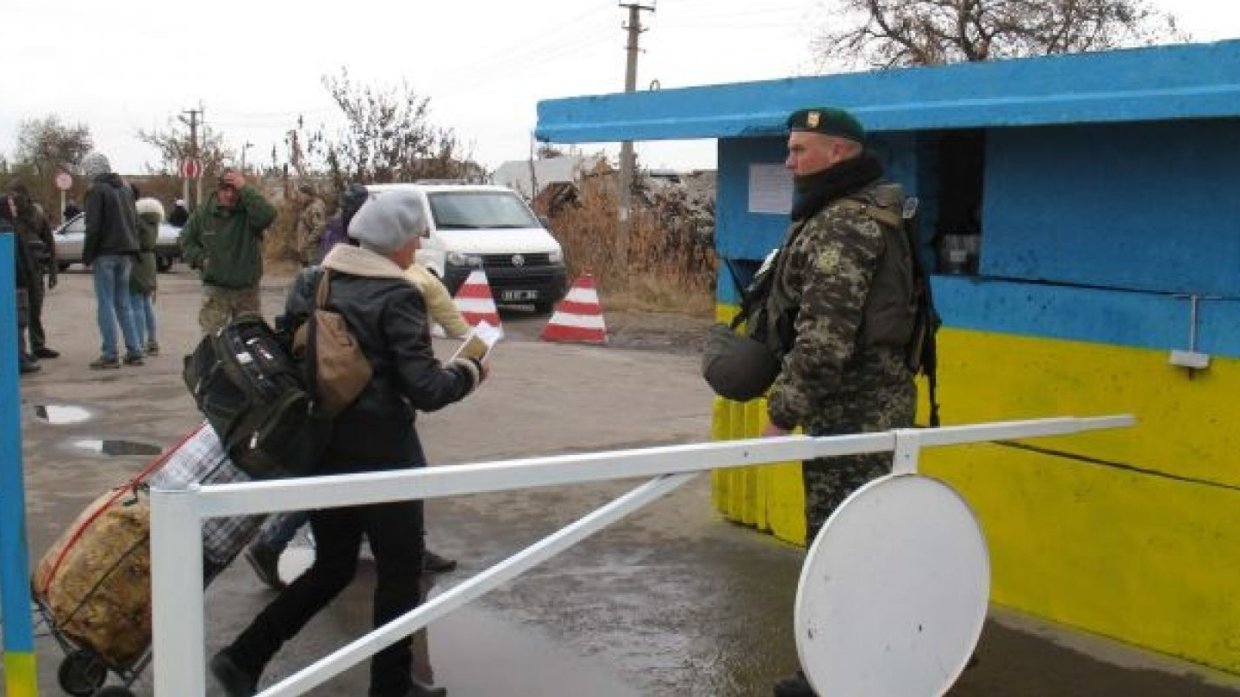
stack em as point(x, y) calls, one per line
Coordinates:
point(191, 169)
point(64, 181)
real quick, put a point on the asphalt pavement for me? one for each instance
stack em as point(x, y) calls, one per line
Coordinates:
point(670, 601)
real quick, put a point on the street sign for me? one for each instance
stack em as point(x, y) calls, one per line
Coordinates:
point(64, 181)
point(191, 168)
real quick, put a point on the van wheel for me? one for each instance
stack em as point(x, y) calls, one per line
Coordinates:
point(63, 265)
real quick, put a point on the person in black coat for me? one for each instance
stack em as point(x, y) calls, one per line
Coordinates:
point(377, 432)
point(23, 275)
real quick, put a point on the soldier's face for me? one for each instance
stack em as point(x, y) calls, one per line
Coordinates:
point(811, 153)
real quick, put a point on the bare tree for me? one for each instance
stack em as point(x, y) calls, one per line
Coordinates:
point(46, 145)
point(892, 33)
point(388, 137)
point(174, 145)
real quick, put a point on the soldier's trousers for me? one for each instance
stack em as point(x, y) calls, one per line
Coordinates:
point(828, 481)
point(220, 305)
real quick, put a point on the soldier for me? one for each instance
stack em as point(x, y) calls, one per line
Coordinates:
point(223, 238)
point(843, 296)
point(32, 226)
point(311, 222)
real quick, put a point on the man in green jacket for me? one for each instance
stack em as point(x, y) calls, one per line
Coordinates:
point(224, 239)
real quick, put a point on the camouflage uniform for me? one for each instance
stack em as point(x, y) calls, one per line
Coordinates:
point(311, 222)
point(839, 378)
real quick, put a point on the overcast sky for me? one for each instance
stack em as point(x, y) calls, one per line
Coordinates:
point(255, 66)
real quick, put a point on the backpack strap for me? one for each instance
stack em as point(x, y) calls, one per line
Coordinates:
point(323, 289)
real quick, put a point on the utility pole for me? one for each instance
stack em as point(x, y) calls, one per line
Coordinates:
point(192, 122)
point(634, 28)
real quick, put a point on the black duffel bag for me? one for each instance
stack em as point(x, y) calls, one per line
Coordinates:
point(254, 395)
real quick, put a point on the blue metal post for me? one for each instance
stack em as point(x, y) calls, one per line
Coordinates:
point(20, 675)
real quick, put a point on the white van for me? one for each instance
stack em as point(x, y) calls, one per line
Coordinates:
point(477, 226)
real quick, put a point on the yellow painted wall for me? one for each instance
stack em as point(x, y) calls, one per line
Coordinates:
point(1146, 559)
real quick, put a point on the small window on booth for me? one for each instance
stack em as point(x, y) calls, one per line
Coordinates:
point(958, 227)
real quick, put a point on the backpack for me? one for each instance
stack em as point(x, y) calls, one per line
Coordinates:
point(744, 366)
point(254, 395)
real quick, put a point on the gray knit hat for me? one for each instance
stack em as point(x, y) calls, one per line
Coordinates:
point(388, 220)
point(95, 164)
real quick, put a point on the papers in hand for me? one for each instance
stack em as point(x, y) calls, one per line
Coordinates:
point(478, 342)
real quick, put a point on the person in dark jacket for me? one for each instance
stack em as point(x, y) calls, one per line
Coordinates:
point(110, 247)
point(224, 239)
point(23, 275)
point(179, 215)
point(142, 283)
point(33, 228)
point(377, 432)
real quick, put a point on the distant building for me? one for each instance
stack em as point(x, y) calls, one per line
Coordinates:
point(566, 169)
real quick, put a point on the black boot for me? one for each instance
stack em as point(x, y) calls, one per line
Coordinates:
point(435, 564)
point(795, 685)
point(235, 680)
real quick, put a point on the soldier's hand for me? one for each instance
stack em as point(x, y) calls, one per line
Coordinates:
point(52, 281)
point(772, 430)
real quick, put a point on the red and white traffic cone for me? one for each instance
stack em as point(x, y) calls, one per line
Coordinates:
point(578, 317)
point(475, 302)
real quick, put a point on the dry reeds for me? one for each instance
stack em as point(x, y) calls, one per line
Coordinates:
point(666, 264)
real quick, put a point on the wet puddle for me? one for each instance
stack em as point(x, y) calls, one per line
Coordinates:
point(117, 447)
point(61, 413)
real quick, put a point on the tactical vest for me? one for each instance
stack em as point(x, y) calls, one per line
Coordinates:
point(890, 306)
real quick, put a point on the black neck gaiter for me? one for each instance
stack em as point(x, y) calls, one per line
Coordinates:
point(814, 191)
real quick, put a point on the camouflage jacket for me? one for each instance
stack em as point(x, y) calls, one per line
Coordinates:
point(311, 222)
point(831, 260)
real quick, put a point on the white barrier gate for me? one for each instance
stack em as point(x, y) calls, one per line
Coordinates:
point(177, 516)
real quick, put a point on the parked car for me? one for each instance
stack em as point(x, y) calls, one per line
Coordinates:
point(473, 226)
point(70, 236)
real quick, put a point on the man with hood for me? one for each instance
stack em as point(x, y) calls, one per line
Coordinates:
point(842, 297)
point(224, 240)
point(142, 283)
point(109, 248)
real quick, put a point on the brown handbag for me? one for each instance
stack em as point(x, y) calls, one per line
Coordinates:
point(339, 371)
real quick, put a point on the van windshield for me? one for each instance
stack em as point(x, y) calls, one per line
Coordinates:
point(472, 210)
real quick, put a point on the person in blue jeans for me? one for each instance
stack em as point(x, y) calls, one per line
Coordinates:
point(109, 248)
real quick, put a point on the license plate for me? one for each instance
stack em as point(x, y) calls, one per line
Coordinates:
point(518, 295)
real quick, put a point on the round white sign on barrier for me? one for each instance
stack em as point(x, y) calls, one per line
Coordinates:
point(893, 593)
point(63, 181)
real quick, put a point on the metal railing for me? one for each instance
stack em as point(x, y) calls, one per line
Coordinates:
point(177, 515)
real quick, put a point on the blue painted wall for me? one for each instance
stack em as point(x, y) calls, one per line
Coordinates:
point(1135, 206)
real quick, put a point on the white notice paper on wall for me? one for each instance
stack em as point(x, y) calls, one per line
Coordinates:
point(770, 189)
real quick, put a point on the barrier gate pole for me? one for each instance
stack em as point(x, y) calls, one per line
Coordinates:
point(20, 677)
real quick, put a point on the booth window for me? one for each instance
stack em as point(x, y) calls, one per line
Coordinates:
point(958, 228)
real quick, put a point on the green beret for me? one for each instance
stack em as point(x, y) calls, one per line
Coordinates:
point(829, 121)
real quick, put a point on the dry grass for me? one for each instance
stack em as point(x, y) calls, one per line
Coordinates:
point(666, 266)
